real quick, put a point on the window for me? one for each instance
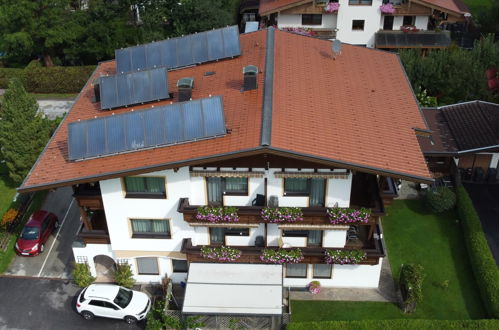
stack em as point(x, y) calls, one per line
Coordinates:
point(314, 237)
point(358, 25)
point(323, 271)
point(360, 2)
point(217, 234)
point(180, 266)
point(296, 270)
point(145, 187)
point(217, 187)
point(311, 19)
point(408, 20)
point(145, 228)
point(147, 266)
point(236, 231)
point(314, 188)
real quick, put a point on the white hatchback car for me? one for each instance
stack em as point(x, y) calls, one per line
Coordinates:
point(113, 301)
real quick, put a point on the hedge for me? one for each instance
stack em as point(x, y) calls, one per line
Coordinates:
point(396, 324)
point(57, 79)
point(482, 261)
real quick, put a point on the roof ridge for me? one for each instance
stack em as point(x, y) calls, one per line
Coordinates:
point(268, 89)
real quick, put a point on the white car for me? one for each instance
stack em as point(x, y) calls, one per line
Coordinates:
point(113, 301)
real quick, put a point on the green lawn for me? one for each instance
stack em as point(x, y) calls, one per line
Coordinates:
point(39, 96)
point(413, 235)
point(7, 190)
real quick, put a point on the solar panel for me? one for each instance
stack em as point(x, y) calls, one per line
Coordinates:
point(179, 52)
point(138, 130)
point(133, 88)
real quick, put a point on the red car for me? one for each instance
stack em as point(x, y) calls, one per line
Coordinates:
point(36, 233)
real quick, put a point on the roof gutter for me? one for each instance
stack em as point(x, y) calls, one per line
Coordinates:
point(268, 89)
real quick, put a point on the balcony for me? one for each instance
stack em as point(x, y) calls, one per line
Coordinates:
point(408, 8)
point(421, 39)
point(374, 249)
point(94, 231)
point(88, 196)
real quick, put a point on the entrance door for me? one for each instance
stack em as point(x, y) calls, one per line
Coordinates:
point(388, 23)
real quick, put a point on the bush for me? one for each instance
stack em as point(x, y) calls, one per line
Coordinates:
point(123, 275)
point(411, 286)
point(442, 199)
point(6, 74)
point(82, 276)
point(482, 261)
point(395, 324)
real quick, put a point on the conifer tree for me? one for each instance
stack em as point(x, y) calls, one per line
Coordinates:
point(23, 132)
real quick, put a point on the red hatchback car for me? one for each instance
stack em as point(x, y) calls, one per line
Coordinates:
point(36, 233)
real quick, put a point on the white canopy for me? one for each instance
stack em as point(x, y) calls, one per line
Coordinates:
point(214, 288)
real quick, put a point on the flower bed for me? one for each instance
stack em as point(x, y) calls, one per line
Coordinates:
point(332, 7)
point(314, 287)
point(387, 8)
point(217, 214)
point(347, 216)
point(282, 256)
point(9, 217)
point(282, 214)
point(222, 253)
point(345, 257)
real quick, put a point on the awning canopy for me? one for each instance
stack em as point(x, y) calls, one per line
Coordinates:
point(214, 288)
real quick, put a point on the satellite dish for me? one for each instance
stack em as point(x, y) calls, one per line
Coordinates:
point(336, 47)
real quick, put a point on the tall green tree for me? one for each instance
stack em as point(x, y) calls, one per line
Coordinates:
point(36, 28)
point(23, 132)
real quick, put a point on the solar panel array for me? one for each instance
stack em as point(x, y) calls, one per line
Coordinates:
point(133, 88)
point(411, 39)
point(179, 52)
point(137, 130)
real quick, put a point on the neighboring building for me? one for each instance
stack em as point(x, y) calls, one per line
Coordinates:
point(413, 23)
point(302, 127)
point(465, 135)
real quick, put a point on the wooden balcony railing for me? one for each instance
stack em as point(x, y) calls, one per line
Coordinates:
point(251, 254)
point(251, 214)
point(95, 236)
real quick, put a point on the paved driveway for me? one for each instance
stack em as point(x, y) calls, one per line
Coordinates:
point(56, 261)
point(486, 200)
point(33, 303)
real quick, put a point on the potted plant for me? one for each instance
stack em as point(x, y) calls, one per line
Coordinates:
point(282, 214)
point(217, 214)
point(282, 256)
point(387, 8)
point(348, 216)
point(314, 287)
point(345, 257)
point(220, 253)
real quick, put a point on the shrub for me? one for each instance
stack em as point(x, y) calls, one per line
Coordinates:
point(282, 214)
point(345, 257)
point(82, 276)
point(482, 261)
point(395, 324)
point(441, 200)
point(282, 256)
point(6, 74)
point(217, 214)
point(9, 217)
point(314, 287)
point(222, 253)
point(411, 286)
point(123, 275)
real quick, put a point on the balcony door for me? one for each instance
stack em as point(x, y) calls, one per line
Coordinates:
point(317, 188)
point(215, 191)
point(388, 23)
point(217, 236)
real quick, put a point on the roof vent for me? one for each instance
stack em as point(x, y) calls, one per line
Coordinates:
point(250, 73)
point(185, 86)
point(336, 47)
point(96, 84)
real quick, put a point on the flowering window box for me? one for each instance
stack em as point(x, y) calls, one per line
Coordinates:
point(332, 7)
point(282, 214)
point(387, 8)
point(409, 28)
point(221, 253)
point(345, 257)
point(217, 214)
point(282, 256)
point(348, 216)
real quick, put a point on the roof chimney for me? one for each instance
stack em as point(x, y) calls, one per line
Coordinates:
point(185, 86)
point(250, 74)
point(96, 90)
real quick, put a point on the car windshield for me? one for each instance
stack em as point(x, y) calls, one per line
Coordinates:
point(123, 298)
point(30, 233)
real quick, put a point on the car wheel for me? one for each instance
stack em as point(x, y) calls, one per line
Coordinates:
point(87, 315)
point(42, 248)
point(130, 319)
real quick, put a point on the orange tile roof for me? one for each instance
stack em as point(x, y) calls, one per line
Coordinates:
point(270, 6)
point(356, 110)
point(457, 6)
